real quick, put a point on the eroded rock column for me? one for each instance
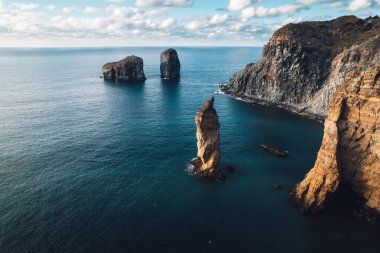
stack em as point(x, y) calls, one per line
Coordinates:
point(208, 157)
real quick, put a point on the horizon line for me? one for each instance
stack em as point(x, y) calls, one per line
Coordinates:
point(78, 47)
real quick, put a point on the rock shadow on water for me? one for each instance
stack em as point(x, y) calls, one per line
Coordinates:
point(171, 82)
point(114, 82)
point(346, 204)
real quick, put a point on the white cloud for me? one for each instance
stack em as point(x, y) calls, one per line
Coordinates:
point(24, 6)
point(195, 25)
point(358, 5)
point(237, 5)
point(90, 9)
point(69, 9)
point(334, 5)
point(248, 13)
point(218, 19)
point(262, 12)
point(122, 23)
point(14, 21)
point(50, 7)
point(309, 2)
point(164, 3)
point(167, 23)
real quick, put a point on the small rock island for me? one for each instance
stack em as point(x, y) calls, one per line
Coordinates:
point(170, 65)
point(208, 158)
point(129, 69)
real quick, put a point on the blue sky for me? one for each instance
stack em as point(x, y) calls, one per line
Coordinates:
point(76, 23)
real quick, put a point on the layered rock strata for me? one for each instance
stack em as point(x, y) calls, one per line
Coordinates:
point(129, 69)
point(170, 65)
point(350, 150)
point(208, 157)
point(303, 63)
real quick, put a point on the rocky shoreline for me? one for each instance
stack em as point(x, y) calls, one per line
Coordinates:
point(302, 64)
point(281, 106)
point(327, 71)
point(350, 150)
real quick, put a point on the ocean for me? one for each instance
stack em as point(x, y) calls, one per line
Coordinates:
point(88, 165)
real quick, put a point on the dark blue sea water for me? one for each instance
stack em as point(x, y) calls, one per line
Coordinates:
point(94, 166)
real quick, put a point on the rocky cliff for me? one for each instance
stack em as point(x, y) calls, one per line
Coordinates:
point(170, 65)
point(128, 69)
point(350, 150)
point(303, 63)
point(208, 157)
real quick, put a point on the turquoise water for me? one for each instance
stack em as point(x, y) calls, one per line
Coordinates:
point(94, 166)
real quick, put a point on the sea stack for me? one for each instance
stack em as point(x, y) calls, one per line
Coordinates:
point(170, 65)
point(208, 158)
point(303, 63)
point(129, 69)
point(350, 150)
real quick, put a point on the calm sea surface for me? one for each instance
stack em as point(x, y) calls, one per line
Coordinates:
point(94, 166)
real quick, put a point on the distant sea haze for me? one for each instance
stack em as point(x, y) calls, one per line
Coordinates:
point(89, 165)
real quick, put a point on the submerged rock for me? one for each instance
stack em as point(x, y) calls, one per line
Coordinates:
point(208, 157)
point(170, 65)
point(231, 168)
point(350, 150)
point(303, 63)
point(128, 69)
point(274, 151)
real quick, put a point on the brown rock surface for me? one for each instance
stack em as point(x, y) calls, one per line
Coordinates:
point(350, 150)
point(302, 64)
point(208, 157)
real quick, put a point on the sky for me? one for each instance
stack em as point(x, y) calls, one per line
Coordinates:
point(98, 23)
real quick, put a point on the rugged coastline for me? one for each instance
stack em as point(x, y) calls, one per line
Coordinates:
point(328, 71)
point(303, 63)
point(280, 106)
point(350, 150)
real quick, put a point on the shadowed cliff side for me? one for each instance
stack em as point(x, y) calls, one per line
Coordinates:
point(303, 63)
point(350, 150)
point(170, 66)
point(208, 157)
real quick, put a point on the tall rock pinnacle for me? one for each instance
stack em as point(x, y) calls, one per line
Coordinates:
point(170, 65)
point(208, 158)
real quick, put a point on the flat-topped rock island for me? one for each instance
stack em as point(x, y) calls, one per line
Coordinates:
point(130, 69)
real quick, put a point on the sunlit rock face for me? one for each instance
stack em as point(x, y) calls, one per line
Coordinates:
point(303, 64)
point(350, 150)
point(208, 157)
point(129, 69)
point(170, 65)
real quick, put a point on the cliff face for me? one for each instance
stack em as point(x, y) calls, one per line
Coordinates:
point(128, 69)
point(350, 150)
point(303, 63)
point(208, 157)
point(170, 65)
